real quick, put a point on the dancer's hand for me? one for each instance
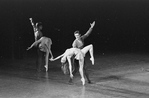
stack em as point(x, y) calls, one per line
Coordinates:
point(28, 48)
point(92, 24)
point(51, 59)
point(30, 19)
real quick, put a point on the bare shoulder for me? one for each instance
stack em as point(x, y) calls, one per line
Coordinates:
point(44, 37)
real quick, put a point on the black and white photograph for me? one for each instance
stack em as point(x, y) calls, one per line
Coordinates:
point(74, 49)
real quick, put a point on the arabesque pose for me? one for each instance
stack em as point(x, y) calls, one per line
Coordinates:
point(37, 27)
point(44, 46)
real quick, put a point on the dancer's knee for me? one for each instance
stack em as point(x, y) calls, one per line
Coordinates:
point(91, 45)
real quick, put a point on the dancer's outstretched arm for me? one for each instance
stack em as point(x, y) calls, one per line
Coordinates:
point(70, 66)
point(53, 59)
point(35, 43)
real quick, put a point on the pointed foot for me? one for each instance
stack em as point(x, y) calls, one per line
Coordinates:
point(92, 60)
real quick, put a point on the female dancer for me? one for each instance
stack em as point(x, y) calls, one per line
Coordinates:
point(44, 46)
point(37, 35)
point(79, 55)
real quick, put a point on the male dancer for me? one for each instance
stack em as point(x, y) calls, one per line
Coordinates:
point(79, 43)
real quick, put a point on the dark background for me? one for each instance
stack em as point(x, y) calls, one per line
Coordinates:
point(121, 25)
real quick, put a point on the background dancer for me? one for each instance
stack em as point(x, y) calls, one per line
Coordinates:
point(44, 45)
point(37, 34)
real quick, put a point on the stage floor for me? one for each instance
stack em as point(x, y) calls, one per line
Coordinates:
point(113, 76)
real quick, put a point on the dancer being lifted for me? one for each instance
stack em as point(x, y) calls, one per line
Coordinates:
point(79, 55)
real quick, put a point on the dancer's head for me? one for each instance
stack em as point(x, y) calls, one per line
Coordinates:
point(63, 59)
point(77, 34)
point(65, 65)
point(39, 25)
point(65, 68)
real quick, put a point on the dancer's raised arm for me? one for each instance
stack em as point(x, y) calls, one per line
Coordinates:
point(89, 31)
point(32, 23)
point(35, 43)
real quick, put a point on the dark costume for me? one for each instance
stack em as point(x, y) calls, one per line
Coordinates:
point(38, 34)
point(75, 63)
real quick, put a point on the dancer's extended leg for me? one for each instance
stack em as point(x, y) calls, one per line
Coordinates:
point(90, 49)
point(86, 73)
point(49, 47)
point(46, 58)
